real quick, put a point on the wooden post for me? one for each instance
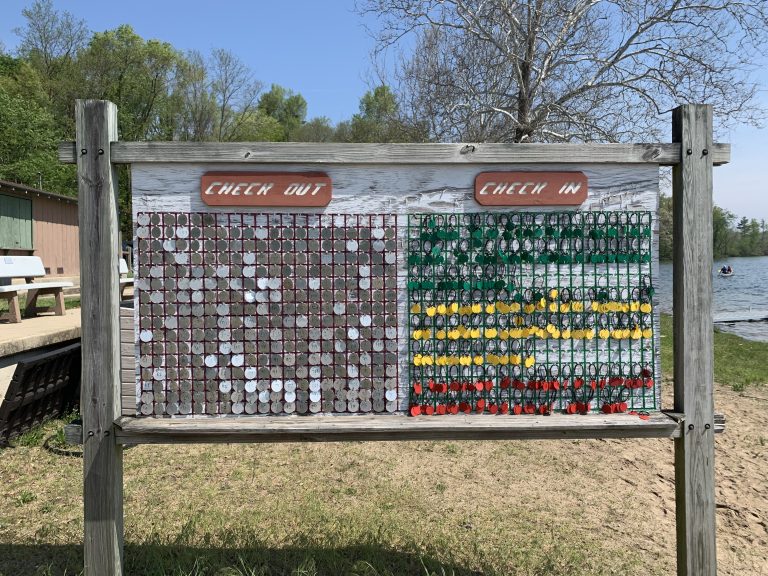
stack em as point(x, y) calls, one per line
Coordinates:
point(96, 125)
point(693, 352)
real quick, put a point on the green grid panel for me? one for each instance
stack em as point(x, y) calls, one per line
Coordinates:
point(530, 313)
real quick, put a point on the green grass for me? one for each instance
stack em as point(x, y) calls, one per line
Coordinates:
point(69, 302)
point(738, 362)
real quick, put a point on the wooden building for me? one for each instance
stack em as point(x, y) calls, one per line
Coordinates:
point(38, 223)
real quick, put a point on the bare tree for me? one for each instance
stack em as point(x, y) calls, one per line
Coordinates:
point(197, 113)
point(218, 96)
point(50, 38)
point(562, 70)
point(235, 90)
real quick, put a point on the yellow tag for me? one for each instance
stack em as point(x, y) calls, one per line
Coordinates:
point(417, 360)
point(565, 333)
point(514, 359)
point(478, 360)
point(553, 293)
point(454, 307)
point(634, 306)
point(504, 360)
point(492, 359)
point(514, 307)
point(416, 308)
point(504, 334)
point(648, 333)
point(617, 333)
point(578, 334)
point(525, 333)
point(431, 311)
point(530, 361)
point(442, 309)
point(491, 332)
point(490, 308)
point(565, 307)
point(442, 360)
point(529, 308)
point(551, 328)
point(465, 360)
point(555, 333)
point(502, 307)
point(589, 334)
point(645, 308)
point(636, 334)
point(477, 308)
point(440, 335)
point(454, 334)
point(475, 333)
point(416, 334)
point(426, 360)
point(604, 333)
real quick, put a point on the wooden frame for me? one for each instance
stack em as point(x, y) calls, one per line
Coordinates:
point(692, 155)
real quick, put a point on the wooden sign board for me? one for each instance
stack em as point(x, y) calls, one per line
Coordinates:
point(399, 294)
point(531, 188)
point(282, 189)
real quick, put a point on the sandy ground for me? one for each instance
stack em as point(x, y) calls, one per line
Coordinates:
point(741, 480)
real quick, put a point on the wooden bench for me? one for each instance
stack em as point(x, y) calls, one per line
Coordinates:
point(124, 282)
point(28, 268)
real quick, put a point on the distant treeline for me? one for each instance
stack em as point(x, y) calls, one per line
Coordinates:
point(731, 236)
point(161, 94)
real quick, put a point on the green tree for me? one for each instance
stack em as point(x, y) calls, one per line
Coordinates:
point(28, 144)
point(137, 75)
point(665, 227)
point(379, 120)
point(749, 237)
point(285, 106)
point(316, 130)
point(722, 233)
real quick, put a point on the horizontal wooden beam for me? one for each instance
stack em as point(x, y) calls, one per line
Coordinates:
point(257, 429)
point(318, 153)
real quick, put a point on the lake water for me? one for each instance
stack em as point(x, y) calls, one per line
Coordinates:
point(743, 295)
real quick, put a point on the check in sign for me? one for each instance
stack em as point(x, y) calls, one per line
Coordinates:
point(307, 189)
point(531, 188)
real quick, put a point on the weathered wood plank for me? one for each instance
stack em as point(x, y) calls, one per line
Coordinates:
point(325, 153)
point(395, 189)
point(694, 358)
point(96, 127)
point(331, 428)
point(127, 362)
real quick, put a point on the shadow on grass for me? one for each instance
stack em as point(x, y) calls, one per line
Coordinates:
point(176, 560)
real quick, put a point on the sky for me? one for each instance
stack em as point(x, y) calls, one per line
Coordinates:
point(321, 49)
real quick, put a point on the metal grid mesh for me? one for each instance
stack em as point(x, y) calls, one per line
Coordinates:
point(528, 312)
point(266, 313)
